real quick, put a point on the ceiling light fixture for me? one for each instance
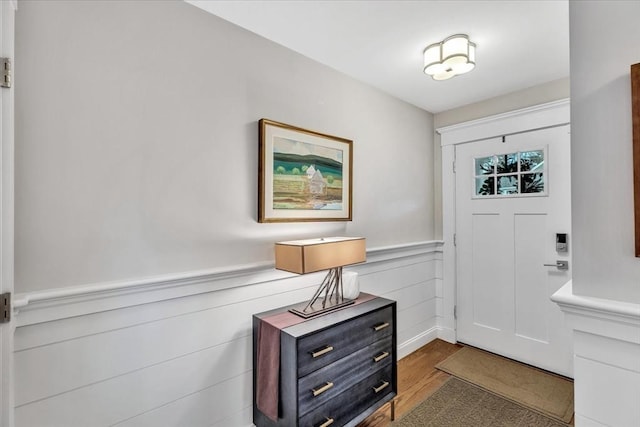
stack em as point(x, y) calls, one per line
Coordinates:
point(453, 56)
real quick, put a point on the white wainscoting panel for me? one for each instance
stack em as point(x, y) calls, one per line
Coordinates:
point(605, 391)
point(606, 337)
point(180, 353)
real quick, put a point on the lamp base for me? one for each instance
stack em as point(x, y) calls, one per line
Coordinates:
point(331, 286)
point(307, 311)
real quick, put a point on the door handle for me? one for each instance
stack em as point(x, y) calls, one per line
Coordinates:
point(327, 423)
point(381, 387)
point(560, 265)
point(319, 352)
point(381, 356)
point(319, 391)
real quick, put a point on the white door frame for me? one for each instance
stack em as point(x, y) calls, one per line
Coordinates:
point(527, 119)
point(7, 31)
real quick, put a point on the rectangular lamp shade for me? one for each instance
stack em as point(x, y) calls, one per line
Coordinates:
point(307, 256)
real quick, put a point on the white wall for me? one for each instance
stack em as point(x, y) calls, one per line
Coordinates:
point(136, 124)
point(139, 261)
point(602, 168)
point(602, 305)
point(536, 95)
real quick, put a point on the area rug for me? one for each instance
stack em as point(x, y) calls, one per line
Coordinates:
point(549, 394)
point(460, 404)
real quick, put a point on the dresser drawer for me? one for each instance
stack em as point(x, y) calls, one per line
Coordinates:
point(327, 346)
point(345, 406)
point(327, 382)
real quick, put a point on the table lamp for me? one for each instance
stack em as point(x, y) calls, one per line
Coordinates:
point(328, 253)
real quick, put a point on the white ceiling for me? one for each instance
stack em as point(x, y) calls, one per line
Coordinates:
point(519, 43)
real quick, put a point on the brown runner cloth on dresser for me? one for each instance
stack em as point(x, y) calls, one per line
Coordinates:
point(268, 355)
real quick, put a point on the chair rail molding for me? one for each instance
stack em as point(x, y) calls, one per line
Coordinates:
point(60, 303)
point(619, 320)
point(550, 114)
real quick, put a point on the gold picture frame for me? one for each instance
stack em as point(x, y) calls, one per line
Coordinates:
point(303, 176)
point(635, 113)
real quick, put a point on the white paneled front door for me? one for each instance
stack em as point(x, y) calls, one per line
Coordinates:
point(512, 196)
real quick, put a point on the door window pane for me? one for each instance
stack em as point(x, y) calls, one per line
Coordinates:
point(531, 160)
point(484, 166)
point(532, 183)
point(485, 186)
point(508, 184)
point(508, 163)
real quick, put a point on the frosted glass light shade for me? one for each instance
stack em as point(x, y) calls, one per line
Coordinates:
point(432, 59)
point(445, 75)
point(453, 56)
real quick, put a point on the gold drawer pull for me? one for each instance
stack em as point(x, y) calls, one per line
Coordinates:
point(320, 352)
point(381, 356)
point(381, 387)
point(327, 423)
point(322, 389)
point(381, 326)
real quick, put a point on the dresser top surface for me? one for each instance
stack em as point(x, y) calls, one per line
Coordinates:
point(305, 326)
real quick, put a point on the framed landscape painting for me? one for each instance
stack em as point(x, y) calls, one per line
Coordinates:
point(303, 175)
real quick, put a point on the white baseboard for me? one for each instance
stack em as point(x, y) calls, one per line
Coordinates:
point(447, 334)
point(409, 346)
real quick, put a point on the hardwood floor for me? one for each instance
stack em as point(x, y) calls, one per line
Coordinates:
point(417, 379)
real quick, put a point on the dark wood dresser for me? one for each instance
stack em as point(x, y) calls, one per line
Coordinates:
point(334, 370)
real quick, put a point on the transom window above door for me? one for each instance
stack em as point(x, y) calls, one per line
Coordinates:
point(510, 175)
